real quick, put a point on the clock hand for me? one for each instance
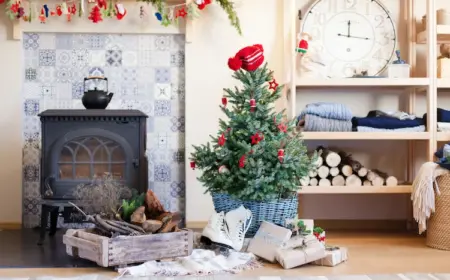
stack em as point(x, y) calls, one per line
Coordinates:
point(348, 29)
point(356, 37)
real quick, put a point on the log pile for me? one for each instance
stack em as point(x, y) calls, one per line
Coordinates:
point(337, 168)
point(149, 218)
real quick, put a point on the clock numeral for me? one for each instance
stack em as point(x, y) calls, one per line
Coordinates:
point(320, 18)
point(332, 6)
point(385, 39)
point(350, 4)
point(316, 33)
point(368, 4)
point(379, 21)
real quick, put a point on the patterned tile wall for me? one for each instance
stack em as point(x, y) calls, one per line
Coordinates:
point(145, 72)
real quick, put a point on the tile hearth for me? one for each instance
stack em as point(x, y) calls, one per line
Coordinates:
point(145, 72)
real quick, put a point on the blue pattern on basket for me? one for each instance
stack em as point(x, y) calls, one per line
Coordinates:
point(276, 212)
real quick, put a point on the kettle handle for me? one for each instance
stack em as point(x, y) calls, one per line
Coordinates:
point(95, 78)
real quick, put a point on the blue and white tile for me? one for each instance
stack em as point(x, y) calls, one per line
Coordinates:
point(31, 124)
point(30, 74)
point(146, 75)
point(178, 124)
point(163, 172)
point(32, 140)
point(162, 108)
point(151, 173)
point(63, 91)
point(80, 58)
point(177, 156)
point(129, 92)
point(163, 124)
point(31, 90)
point(31, 172)
point(177, 59)
point(113, 58)
point(64, 74)
point(31, 220)
point(31, 155)
point(146, 91)
point(80, 41)
point(31, 107)
point(130, 58)
point(77, 89)
point(96, 41)
point(47, 91)
point(178, 91)
point(47, 41)
point(97, 58)
point(64, 41)
point(31, 58)
point(46, 74)
point(178, 42)
point(63, 57)
point(129, 104)
point(163, 75)
point(144, 58)
point(146, 106)
point(128, 41)
point(96, 71)
point(79, 74)
point(129, 75)
point(146, 42)
point(31, 189)
point(163, 42)
point(114, 75)
point(160, 59)
point(77, 104)
point(177, 75)
point(163, 92)
point(30, 41)
point(47, 57)
point(177, 189)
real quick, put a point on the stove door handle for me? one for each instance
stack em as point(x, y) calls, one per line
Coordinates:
point(136, 163)
point(48, 192)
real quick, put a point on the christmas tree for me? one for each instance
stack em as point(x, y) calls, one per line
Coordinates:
point(257, 155)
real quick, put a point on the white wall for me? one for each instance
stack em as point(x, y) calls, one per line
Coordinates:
point(213, 41)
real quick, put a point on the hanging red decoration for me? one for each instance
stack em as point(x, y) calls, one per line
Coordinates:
point(224, 101)
point(95, 15)
point(121, 12)
point(193, 165)
point(42, 17)
point(273, 85)
point(181, 13)
point(221, 140)
point(252, 105)
point(102, 4)
point(256, 138)
point(281, 155)
point(58, 10)
point(2, 1)
point(282, 127)
point(72, 9)
point(201, 4)
point(242, 161)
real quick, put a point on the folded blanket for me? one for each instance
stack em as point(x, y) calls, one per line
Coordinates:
point(420, 128)
point(386, 122)
point(315, 123)
point(395, 114)
point(443, 126)
point(442, 116)
point(327, 110)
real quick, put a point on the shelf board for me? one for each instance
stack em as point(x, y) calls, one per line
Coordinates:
point(365, 135)
point(443, 83)
point(443, 136)
point(363, 82)
point(355, 190)
point(443, 35)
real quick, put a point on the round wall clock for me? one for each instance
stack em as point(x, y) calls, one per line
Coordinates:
point(352, 35)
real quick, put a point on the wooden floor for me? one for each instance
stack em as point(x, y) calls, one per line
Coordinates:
point(368, 254)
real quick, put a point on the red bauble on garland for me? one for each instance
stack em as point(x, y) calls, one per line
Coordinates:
point(192, 165)
point(242, 161)
point(224, 101)
point(95, 15)
point(281, 155)
point(256, 138)
point(221, 140)
point(201, 4)
point(252, 105)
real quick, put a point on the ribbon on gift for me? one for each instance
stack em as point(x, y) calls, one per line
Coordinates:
point(342, 256)
point(269, 238)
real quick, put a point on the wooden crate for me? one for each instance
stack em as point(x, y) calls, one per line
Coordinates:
point(125, 250)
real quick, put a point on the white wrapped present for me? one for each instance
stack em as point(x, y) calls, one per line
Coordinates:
point(267, 240)
point(333, 257)
point(299, 251)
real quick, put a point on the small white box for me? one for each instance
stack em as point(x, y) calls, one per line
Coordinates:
point(443, 68)
point(399, 71)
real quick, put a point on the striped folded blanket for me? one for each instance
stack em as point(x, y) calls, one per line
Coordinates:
point(328, 110)
point(420, 128)
point(315, 123)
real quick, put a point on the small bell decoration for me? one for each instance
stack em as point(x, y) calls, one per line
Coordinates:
point(281, 155)
point(252, 105)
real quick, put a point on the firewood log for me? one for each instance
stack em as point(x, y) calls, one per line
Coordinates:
point(312, 173)
point(151, 226)
point(330, 158)
point(371, 175)
point(362, 172)
point(391, 181)
point(154, 208)
point(319, 162)
point(324, 182)
point(313, 182)
point(334, 171)
point(138, 216)
point(367, 183)
point(378, 181)
point(347, 159)
point(304, 181)
point(323, 172)
point(338, 180)
point(346, 170)
point(377, 177)
point(353, 181)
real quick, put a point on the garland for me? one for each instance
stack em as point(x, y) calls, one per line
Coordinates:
point(166, 14)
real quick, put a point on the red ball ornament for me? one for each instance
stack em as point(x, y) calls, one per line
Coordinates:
point(193, 165)
point(242, 161)
point(280, 155)
point(224, 101)
point(252, 105)
point(221, 140)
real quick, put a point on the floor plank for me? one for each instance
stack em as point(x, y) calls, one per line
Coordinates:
point(369, 253)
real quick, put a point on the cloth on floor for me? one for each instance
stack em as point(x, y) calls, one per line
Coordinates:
point(423, 193)
point(200, 262)
point(315, 123)
point(443, 127)
point(386, 122)
point(327, 110)
point(392, 114)
point(420, 128)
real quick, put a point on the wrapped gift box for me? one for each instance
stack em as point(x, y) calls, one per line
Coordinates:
point(267, 240)
point(333, 257)
point(299, 251)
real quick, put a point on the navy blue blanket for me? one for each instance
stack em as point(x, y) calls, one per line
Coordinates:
point(386, 122)
point(442, 115)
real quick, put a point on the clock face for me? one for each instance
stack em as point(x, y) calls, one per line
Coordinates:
point(351, 36)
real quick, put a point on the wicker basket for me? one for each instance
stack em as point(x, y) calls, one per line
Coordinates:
point(274, 212)
point(438, 228)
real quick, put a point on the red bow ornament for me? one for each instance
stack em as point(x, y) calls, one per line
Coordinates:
point(280, 155)
point(252, 105)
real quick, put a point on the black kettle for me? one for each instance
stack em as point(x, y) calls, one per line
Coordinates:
point(95, 98)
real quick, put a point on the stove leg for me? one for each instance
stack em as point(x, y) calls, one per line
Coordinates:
point(53, 220)
point(44, 222)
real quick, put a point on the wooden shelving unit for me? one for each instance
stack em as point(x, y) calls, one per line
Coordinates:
point(430, 84)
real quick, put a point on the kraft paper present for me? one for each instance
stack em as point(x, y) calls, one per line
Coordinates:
point(333, 257)
point(267, 240)
point(290, 255)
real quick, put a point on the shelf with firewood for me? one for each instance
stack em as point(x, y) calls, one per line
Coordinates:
point(339, 172)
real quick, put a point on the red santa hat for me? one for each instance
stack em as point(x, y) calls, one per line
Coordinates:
point(248, 58)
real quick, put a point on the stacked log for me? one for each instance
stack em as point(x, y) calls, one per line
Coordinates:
point(338, 168)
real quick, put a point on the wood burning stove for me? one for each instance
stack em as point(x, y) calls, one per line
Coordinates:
point(78, 145)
